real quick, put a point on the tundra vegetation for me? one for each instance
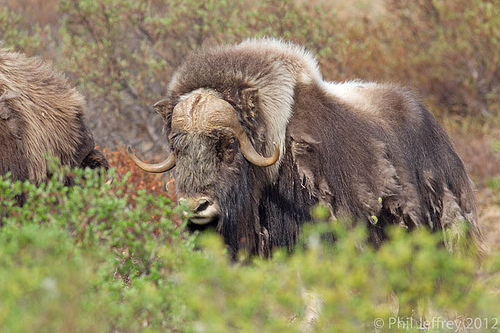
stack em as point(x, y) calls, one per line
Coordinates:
point(114, 257)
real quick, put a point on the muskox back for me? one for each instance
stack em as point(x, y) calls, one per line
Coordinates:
point(40, 116)
point(394, 163)
point(368, 151)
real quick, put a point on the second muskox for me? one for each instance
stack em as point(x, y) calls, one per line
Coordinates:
point(41, 116)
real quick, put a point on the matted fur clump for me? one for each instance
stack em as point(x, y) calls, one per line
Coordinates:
point(40, 116)
point(368, 151)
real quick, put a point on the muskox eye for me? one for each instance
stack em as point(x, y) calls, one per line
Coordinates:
point(228, 150)
point(228, 155)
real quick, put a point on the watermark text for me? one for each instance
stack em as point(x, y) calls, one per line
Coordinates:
point(459, 324)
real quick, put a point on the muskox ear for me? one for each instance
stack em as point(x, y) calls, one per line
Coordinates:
point(160, 106)
point(250, 98)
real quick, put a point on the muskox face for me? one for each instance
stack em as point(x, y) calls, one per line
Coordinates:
point(211, 155)
point(208, 164)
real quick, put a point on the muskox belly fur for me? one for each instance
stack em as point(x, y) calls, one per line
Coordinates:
point(40, 116)
point(368, 151)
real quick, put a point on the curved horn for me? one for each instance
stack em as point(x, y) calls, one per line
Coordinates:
point(249, 151)
point(164, 166)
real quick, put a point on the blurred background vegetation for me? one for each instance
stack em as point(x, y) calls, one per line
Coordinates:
point(121, 53)
point(83, 262)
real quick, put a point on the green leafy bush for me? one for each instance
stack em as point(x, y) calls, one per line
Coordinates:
point(90, 258)
point(447, 49)
point(13, 35)
point(107, 256)
point(46, 282)
point(349, 284)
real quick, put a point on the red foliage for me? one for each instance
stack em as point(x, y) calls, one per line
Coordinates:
point(155, 184)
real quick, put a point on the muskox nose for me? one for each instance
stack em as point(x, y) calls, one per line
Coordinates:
point(200, 210)
point(195, 205)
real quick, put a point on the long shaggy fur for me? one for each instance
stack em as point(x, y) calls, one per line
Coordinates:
point(40, 116)
point(366, 150)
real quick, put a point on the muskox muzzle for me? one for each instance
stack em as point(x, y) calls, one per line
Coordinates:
point(201, 210)
point(203, 113)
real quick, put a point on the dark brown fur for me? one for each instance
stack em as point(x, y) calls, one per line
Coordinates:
point(367, 151)
point(40, 115)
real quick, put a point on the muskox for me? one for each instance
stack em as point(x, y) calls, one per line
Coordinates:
point(40, 116)
point(258, 138)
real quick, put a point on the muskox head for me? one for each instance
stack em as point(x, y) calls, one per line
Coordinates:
point(211, 152)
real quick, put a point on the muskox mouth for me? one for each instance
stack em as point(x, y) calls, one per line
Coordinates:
point(201, 220)
point(205, 226)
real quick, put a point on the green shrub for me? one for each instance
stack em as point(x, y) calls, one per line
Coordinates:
point(91, 258)
point(108, 256)
point(46, 283)
point(13, 35)
point(411, 277)
point(447, 49)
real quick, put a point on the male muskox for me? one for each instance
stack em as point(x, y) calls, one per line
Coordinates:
point(258, 138)
point(40, 116)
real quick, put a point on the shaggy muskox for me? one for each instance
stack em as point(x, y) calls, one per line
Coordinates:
point(258, 138)
point(40, 116)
